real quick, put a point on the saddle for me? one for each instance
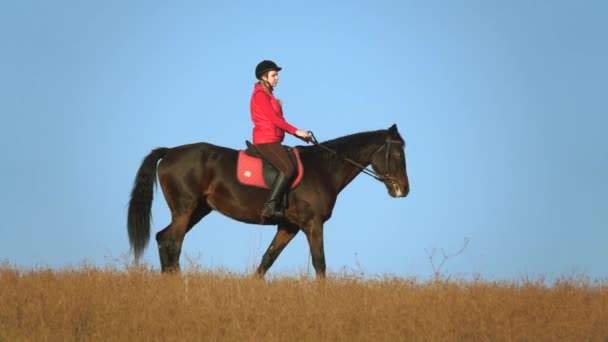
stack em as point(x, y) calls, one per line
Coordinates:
point(254, 170)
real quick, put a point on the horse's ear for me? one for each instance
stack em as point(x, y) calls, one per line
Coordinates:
point(392, 130)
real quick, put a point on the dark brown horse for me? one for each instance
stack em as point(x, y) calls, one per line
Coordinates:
point(199, 178)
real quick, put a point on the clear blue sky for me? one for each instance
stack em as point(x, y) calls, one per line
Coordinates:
point(503, 106)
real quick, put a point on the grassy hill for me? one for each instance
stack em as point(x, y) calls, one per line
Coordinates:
point(88, 303)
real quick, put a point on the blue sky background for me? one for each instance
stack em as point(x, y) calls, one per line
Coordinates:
point(502, 104)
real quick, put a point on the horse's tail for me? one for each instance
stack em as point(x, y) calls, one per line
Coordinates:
point(140, 206)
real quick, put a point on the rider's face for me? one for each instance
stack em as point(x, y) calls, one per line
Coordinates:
point(272, 77)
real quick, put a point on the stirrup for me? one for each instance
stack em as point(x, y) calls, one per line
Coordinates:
point(270, 211)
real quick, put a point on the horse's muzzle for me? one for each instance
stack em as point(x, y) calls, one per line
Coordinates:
point(395, 190)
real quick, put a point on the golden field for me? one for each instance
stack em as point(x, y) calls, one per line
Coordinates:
point(139, 304)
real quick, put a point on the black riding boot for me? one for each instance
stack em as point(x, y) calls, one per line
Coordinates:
point(271, 211)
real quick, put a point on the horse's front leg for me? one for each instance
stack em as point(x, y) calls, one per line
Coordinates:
point(284, 234)
point(314, 234)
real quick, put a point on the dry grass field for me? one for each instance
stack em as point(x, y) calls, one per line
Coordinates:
point(88, 303)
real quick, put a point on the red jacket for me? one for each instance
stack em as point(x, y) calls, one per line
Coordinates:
point(267, 117)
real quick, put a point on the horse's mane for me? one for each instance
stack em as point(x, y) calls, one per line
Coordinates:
point(352, 145)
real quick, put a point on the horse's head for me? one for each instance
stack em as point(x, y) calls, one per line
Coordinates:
point(389, 161)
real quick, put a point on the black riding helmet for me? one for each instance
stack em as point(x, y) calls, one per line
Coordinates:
point(264, 67)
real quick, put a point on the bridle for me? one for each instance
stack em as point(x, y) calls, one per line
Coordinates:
point(388, 179)
point(385, 178)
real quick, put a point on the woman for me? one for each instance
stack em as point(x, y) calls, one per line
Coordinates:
point(269, 131)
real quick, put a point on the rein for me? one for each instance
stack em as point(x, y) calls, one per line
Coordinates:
point(365, 170)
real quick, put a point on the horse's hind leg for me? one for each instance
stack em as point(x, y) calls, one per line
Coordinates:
point(171, 238)
point(163, 249)
point(170, 242)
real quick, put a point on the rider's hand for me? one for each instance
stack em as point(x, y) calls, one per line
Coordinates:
point(303, 134)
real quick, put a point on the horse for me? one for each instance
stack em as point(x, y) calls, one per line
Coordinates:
point(201, 177)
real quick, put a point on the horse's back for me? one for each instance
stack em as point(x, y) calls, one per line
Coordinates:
point(194, 149)
point(187, 157)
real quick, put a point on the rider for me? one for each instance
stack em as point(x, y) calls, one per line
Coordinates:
point(269, 131)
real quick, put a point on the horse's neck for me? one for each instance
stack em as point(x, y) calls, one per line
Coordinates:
point(343, 172)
